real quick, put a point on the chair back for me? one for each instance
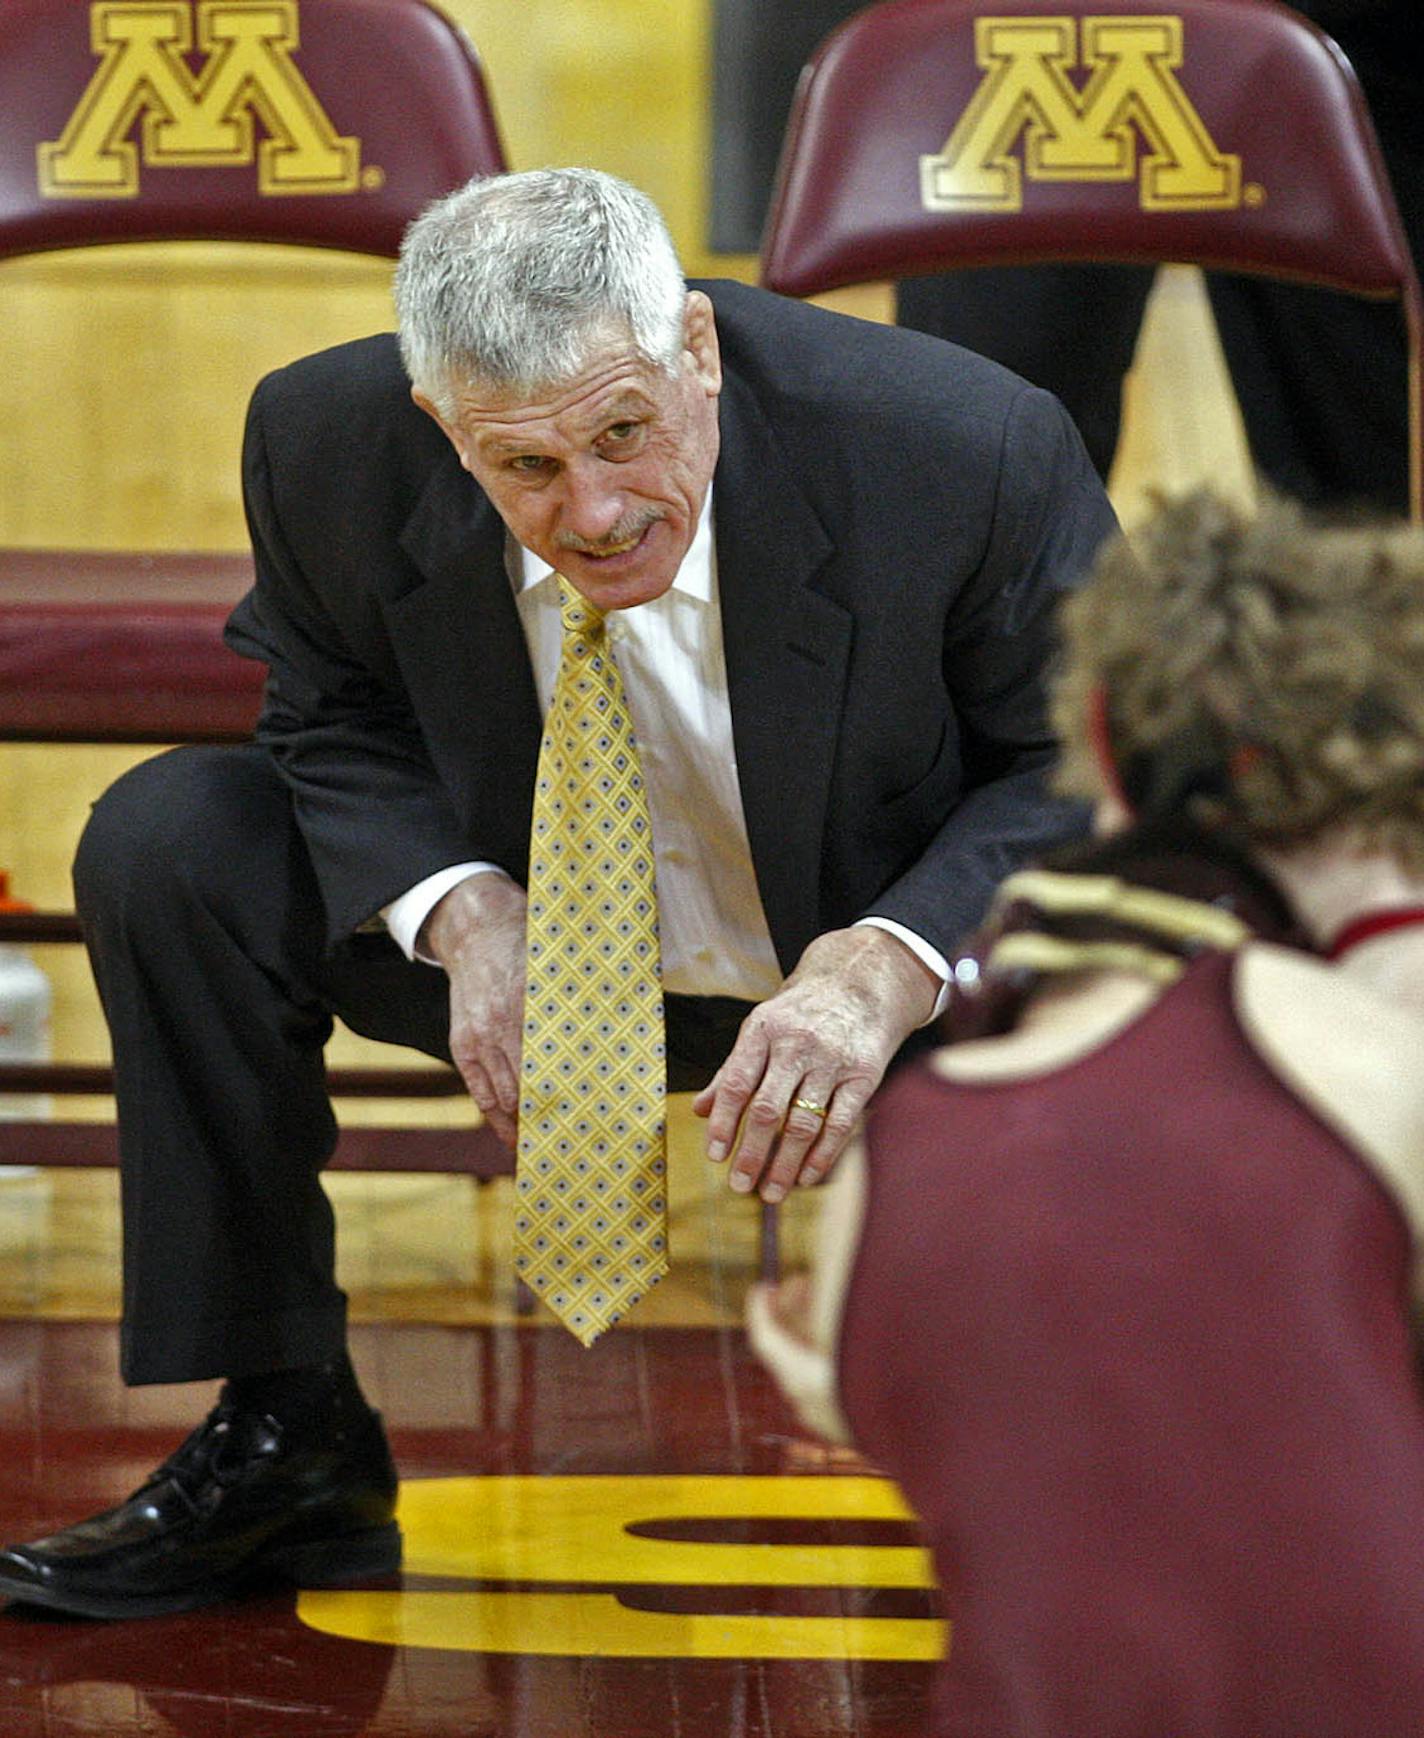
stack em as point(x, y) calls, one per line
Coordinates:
point(326, 123)
point(928, 135)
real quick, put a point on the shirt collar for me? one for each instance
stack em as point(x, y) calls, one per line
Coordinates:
point(693, 578)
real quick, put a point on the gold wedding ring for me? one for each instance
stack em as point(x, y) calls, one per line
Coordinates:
point(808, 1104)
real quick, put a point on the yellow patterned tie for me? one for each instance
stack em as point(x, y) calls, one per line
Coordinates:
point(590, 1221)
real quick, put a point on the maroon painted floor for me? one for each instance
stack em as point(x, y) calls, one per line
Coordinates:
point(458, 1401)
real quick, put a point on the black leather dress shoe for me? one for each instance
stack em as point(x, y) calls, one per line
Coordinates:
point(239, 1506)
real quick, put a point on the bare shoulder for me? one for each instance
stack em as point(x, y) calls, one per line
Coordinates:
point(1353, 1055)
point(1287, 998)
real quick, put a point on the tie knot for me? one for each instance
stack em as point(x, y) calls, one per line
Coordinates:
point(579, 615)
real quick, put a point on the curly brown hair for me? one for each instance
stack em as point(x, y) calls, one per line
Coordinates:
point(1272, 661)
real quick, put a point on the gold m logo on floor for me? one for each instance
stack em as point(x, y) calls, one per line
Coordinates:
point(201, 119)
point(647, 1568)
point(1131, 93)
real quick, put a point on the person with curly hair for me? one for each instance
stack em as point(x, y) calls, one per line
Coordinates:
point(1119, 1284)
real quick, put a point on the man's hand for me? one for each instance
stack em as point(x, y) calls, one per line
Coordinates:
point(826, 1037)
point(477, 933)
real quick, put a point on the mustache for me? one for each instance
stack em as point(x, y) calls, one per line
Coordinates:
point(625, 531)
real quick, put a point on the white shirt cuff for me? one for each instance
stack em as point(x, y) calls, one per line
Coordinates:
point(404, 916)
point(923, 952)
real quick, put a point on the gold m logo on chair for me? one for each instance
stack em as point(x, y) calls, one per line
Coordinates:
point(1072, 135)
point(196, 120)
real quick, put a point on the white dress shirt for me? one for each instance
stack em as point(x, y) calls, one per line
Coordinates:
point(713, 931)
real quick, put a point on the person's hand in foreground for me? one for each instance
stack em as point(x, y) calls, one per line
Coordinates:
point(807, 1060)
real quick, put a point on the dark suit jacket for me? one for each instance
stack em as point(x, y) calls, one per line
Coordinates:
point(894, 520)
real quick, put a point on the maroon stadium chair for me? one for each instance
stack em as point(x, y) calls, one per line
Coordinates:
point(321, 123)
point(928, 135)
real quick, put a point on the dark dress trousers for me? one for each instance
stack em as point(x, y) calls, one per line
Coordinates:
point(894, 520)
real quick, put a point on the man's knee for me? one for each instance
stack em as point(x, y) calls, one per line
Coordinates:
point(192, 818)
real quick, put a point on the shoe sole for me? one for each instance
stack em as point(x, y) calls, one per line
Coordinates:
point(317, 1563)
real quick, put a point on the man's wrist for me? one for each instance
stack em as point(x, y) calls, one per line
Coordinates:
point(934, 962)
point(406, 917)
point(464, 911)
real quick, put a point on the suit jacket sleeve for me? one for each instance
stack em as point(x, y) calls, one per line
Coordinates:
point(1049, 517)
point(372, 809)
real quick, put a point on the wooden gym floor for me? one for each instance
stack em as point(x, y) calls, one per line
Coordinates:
point(630, 1542)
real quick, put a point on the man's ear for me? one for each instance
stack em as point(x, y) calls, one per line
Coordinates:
point(453, 434)
point(699, 340)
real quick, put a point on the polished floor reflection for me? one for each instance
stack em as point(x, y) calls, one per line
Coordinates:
point(630, 1542)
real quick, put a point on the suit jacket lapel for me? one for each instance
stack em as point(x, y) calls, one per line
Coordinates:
point(787, 647)
point(458, 639)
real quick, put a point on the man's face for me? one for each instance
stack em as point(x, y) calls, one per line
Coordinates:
point(603, 477)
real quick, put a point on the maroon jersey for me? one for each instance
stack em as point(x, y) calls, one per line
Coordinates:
point(1131, 1336)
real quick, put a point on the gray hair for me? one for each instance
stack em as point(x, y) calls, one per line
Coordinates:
point(514, 281)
